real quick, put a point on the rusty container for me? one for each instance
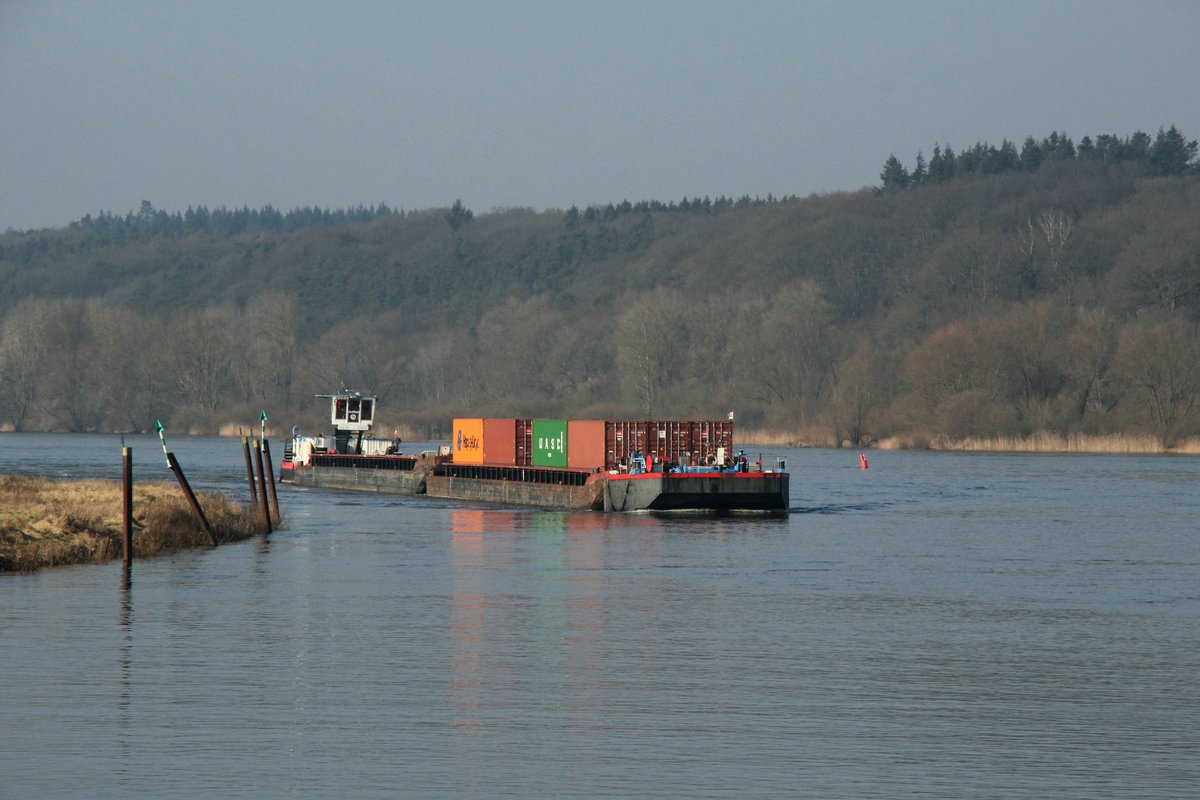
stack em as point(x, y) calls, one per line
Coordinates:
point(500, 441)
point(708, 437)
point(680, 441)
point(585, 444)
point(623, 438)
point(524, 442)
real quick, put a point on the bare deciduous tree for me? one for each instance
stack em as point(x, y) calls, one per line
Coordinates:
point(23, 360)
point(651, 347)
point(1056, 227)
point(1160, 361)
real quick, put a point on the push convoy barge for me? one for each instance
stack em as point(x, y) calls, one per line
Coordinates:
point(613, 465)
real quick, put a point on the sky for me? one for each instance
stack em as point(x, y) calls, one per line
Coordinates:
point(550, 104)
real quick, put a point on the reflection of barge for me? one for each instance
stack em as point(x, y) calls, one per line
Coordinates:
point(614, 465)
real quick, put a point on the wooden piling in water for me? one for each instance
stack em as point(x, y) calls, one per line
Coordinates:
point(262, 480)
point(271, 480)
point(127, 501)
point(191, 497)
point(250, 472)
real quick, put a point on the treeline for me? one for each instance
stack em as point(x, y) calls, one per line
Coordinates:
point(149, 221)
point(1168, 153)
point(706, 205)
point(1063, 299)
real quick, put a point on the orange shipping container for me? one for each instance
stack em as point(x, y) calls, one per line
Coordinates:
point(500, 441)
point(585, 444)
point(467, 441)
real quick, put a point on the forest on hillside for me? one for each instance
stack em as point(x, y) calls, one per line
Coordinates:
point(1061, 296)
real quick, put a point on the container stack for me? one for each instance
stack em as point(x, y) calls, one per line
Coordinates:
point(590, 445)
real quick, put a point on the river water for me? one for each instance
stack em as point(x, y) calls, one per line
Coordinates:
point(939, 625)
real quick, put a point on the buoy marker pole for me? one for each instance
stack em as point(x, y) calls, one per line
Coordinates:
point(158, 424)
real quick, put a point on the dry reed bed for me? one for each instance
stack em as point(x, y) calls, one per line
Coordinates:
point(47, 522)
point(1042, 442)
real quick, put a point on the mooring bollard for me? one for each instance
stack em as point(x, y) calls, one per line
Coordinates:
point(187, 490)
point(262, 480)
point(250, 472)
point(271, 480)
point(127, 502)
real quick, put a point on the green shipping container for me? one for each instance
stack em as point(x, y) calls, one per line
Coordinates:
point(550, 443)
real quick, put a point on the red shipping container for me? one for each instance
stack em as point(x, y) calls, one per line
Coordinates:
point(585, 444)
point(623, 438)
point(524, 446)
point(680, 441)
point(500, 441)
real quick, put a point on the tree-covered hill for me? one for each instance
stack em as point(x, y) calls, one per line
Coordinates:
point(1060, 297)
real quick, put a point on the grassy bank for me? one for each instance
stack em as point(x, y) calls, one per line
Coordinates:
point(48, 522)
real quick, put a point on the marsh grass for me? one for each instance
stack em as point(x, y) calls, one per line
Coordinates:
point(1041, 442)
point(47, 522)
point(1044, 442)
point(767, 437)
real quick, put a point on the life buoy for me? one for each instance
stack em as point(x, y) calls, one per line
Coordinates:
point(353, 416)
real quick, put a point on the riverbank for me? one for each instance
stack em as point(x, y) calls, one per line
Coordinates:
point(1041, 442)
point(46, 523)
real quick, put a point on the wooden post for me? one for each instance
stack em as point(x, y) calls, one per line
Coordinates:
point(271, 480)
point(187, 490)
point(127, 501)
point(262, 480)
point(250, 472)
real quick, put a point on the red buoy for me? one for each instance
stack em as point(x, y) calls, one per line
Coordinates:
point(862, 459)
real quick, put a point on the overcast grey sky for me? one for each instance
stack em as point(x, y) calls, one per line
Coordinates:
point(549, 104)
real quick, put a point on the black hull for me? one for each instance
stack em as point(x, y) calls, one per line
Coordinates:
point(383, 474)
point(720, 493)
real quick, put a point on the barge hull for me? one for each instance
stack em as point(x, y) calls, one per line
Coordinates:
point(513, 492)
point(363, 473)
point(725, 492)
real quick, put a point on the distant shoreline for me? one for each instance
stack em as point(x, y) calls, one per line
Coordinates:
point(1041, 442)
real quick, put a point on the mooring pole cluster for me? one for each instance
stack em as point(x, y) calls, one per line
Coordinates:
point(268, 505)
point(265, 478)
point(262, 482)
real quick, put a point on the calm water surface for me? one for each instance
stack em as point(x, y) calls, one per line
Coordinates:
point(940, 625)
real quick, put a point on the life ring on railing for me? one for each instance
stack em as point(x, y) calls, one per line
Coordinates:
point(354, 416)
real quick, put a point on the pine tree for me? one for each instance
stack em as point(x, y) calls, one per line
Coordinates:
point(1031, 154)
point(894, 175)
point(920, 173)
point(937, 165)
point(1171, 153)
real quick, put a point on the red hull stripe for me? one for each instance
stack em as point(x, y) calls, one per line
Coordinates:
point(695, 475)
